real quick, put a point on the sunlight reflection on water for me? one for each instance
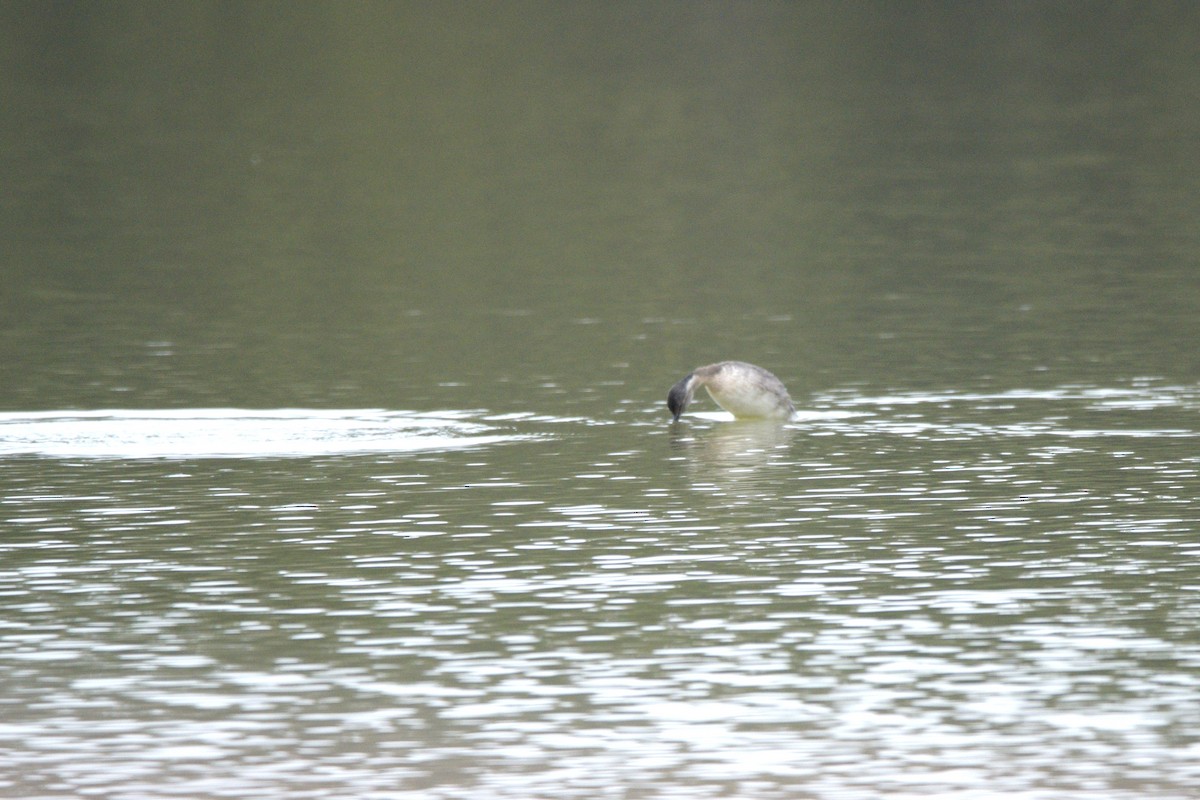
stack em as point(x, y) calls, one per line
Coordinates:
point(237, 433)
point(863, 603)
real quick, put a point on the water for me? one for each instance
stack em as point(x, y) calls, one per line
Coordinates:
point(951, 594)
point(238, 433)
point(334, 456)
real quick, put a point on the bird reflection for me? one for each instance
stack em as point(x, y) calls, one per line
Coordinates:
point(742, 445)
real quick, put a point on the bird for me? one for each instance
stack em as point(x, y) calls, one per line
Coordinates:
point(744, 390)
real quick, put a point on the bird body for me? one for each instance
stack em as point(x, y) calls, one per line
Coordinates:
point(744, 390)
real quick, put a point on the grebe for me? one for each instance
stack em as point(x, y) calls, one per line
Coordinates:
point(744, 390)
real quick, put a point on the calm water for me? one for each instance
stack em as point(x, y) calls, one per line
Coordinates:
point(334, 344)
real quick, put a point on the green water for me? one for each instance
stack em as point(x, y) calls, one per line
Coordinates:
point(963, 237)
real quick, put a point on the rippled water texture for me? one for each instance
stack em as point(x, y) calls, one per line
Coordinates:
point(236, 433)
point(334, 345)
point(959, 595)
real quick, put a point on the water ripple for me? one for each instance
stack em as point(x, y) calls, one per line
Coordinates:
point(940, 598)
point(239, 433)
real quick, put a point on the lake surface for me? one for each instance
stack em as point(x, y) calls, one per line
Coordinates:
point(334, 347)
